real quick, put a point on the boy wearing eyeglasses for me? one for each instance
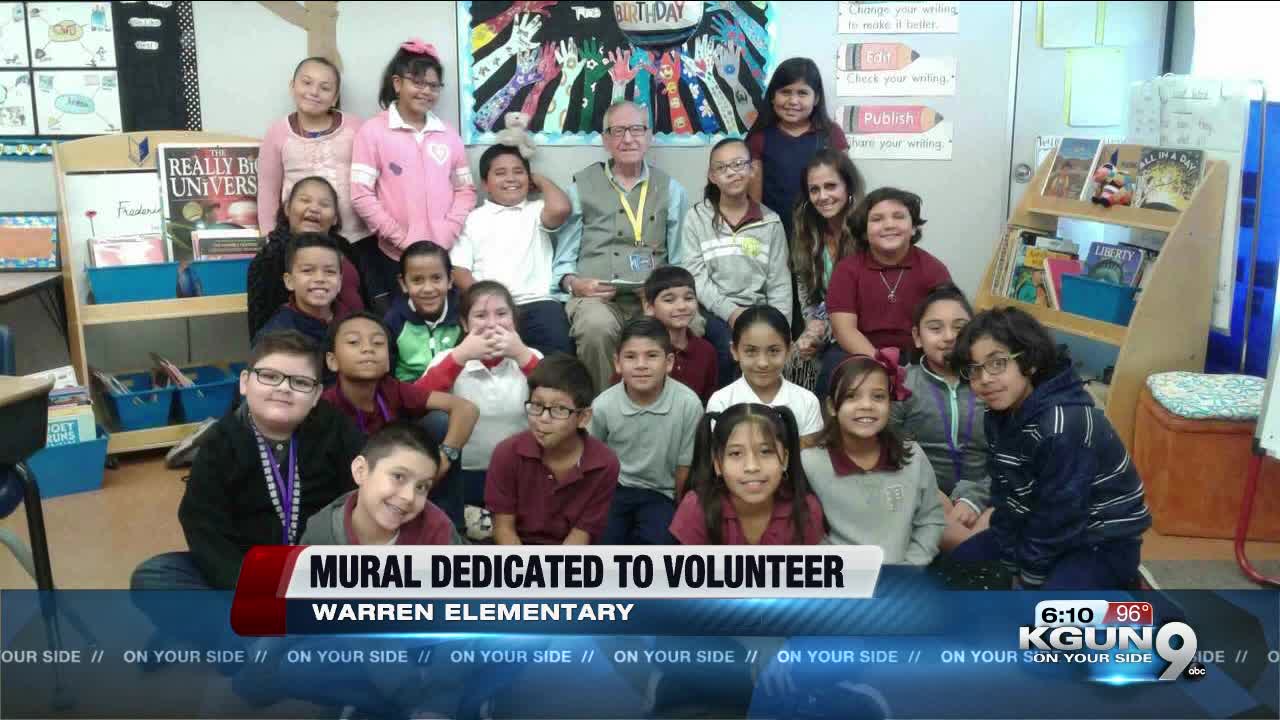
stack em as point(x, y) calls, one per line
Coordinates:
point(625, 221)
point(552, 484)
point(1069, 505)
point(649, 420)
point(261, 471)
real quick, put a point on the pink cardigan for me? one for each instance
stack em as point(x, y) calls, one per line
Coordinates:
point(286, 157)
point(410, 186)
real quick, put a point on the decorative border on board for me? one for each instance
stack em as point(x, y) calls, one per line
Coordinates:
point(25, 149)
point(190, 74)
point(31, 219)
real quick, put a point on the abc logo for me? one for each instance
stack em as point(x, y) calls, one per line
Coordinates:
point(1194, 671)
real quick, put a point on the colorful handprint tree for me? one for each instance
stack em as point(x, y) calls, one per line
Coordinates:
point(699, 69)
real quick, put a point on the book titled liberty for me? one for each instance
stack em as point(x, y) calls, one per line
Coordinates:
point(1069, 175)
point(1167, 178)
point(1117, 264)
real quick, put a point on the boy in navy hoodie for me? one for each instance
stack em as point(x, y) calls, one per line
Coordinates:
point(313, 276)
point(1069, 505)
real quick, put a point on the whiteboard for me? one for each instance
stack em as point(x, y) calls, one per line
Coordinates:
point(1212, 115)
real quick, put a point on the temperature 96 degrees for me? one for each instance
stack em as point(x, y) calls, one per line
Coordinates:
point(1129, 613)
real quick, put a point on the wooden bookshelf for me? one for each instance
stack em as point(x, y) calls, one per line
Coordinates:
point(111, 153)
point(1169, 329)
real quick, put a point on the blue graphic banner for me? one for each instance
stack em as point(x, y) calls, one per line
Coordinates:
point(912, 651)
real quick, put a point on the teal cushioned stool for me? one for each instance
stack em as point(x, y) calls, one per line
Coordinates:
point(1196, 396)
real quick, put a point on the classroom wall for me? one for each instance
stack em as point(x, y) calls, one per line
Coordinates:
point(246, 55)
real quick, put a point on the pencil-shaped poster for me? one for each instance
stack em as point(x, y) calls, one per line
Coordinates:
point(896, 132)
point(864, 18)
point(888, 69)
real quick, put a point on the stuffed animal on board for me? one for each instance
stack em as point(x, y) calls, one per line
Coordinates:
point(515, 132)
point(1114, 188)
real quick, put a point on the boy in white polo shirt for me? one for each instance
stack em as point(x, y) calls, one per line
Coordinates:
point(507, 239)
point(649, 420)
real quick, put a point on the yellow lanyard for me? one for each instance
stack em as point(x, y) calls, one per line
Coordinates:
point(637, 216)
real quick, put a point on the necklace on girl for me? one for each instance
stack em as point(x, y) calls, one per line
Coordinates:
point(893, 291)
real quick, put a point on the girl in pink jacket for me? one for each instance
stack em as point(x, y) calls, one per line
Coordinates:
point(410, 179)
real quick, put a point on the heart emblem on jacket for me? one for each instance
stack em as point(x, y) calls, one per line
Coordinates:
point(439, 152)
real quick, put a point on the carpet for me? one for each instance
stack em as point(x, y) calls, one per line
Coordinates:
point(1207, 574)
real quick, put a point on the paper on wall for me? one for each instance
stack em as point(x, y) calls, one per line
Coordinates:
point(869, 18)
point(1067, 24)
point(1095, 94)
point(892, 69)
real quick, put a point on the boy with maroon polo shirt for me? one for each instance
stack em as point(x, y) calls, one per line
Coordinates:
point(671, 298)
point(873, 292)
point(553, 484)
point(372, 397)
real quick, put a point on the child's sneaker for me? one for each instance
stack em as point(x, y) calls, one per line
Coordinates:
point(479, 523)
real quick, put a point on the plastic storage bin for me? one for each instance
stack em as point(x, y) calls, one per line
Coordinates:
point(145, 406)
point(133, 283)
point(221, 277)
point(1097, 299)
point(68, 469)
point(211, 395)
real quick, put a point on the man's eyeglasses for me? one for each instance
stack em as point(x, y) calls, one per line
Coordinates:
point(273, 378)
point(619, 131)
point(422, 84)
point(557, 412)
point(737, 166)
point(991, 366)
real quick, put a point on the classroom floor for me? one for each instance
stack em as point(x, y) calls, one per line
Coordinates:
point(97, 538)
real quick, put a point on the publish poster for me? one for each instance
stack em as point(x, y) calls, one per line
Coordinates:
point(896, 132)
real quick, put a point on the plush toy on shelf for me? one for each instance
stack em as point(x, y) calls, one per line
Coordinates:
point(1113, 188)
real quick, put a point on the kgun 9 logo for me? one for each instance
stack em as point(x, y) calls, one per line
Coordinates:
point(1072, 639)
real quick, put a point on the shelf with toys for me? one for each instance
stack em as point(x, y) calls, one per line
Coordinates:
point(1169, 326)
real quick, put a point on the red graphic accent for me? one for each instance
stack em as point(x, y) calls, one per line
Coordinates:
point(1129, 613)
point(258, 607)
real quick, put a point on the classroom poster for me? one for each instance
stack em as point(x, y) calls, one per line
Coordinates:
point(698, 68)
point(77, 102)
point(891, 69)
point(868, 18)
point(16, 117)
point(896, 132)
point(71, 34)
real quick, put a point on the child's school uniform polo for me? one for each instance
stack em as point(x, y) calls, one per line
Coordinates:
point(696, 366)
point(497, 388)
point(508, 243)
point(651, 441)
point(690, 524)
point(398, 400)
point(547, 509)
point(862, 286)
point(899, 510)
point(803, 404)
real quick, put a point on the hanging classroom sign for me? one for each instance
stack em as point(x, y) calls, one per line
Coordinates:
point(698, 68)
point(896, 132)
point(891, 69)
point(868, 18)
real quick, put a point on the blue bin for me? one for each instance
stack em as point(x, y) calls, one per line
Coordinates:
point(145, 406)
point(211, 395)
point(133, 283)
point(1098, 299)
point(70, 469)
point(221, 277)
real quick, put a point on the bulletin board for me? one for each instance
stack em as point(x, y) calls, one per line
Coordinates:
point(699, 68)
point(76, 69)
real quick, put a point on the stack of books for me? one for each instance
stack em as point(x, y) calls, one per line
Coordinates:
point(1161, 178)
point(71, 418)
point(1021, 267)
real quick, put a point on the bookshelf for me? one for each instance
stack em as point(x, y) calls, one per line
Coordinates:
point(109, 154)
point(1169, 329)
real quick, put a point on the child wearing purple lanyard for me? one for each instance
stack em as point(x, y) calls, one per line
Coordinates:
point(261, 471)
point(372, 397)
point(943, 416)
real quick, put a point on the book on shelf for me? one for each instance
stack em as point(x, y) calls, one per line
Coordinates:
point(1124, 159)
point(227, 244)
point(71, 425)
point(110, 383)
point(1167, 178)
point(207, 187)
point(1054, 269)
point(1118, 264)
point(121, 250)
point(1013, 270)
point(1029, 283)
point(168, 374)
point(1072, 167)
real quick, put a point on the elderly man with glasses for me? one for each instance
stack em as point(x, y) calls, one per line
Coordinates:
point(626, 221)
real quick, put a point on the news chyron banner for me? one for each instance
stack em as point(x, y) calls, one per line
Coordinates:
point(629, 632)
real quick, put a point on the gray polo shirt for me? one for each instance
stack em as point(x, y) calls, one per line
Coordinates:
point(650, 441)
